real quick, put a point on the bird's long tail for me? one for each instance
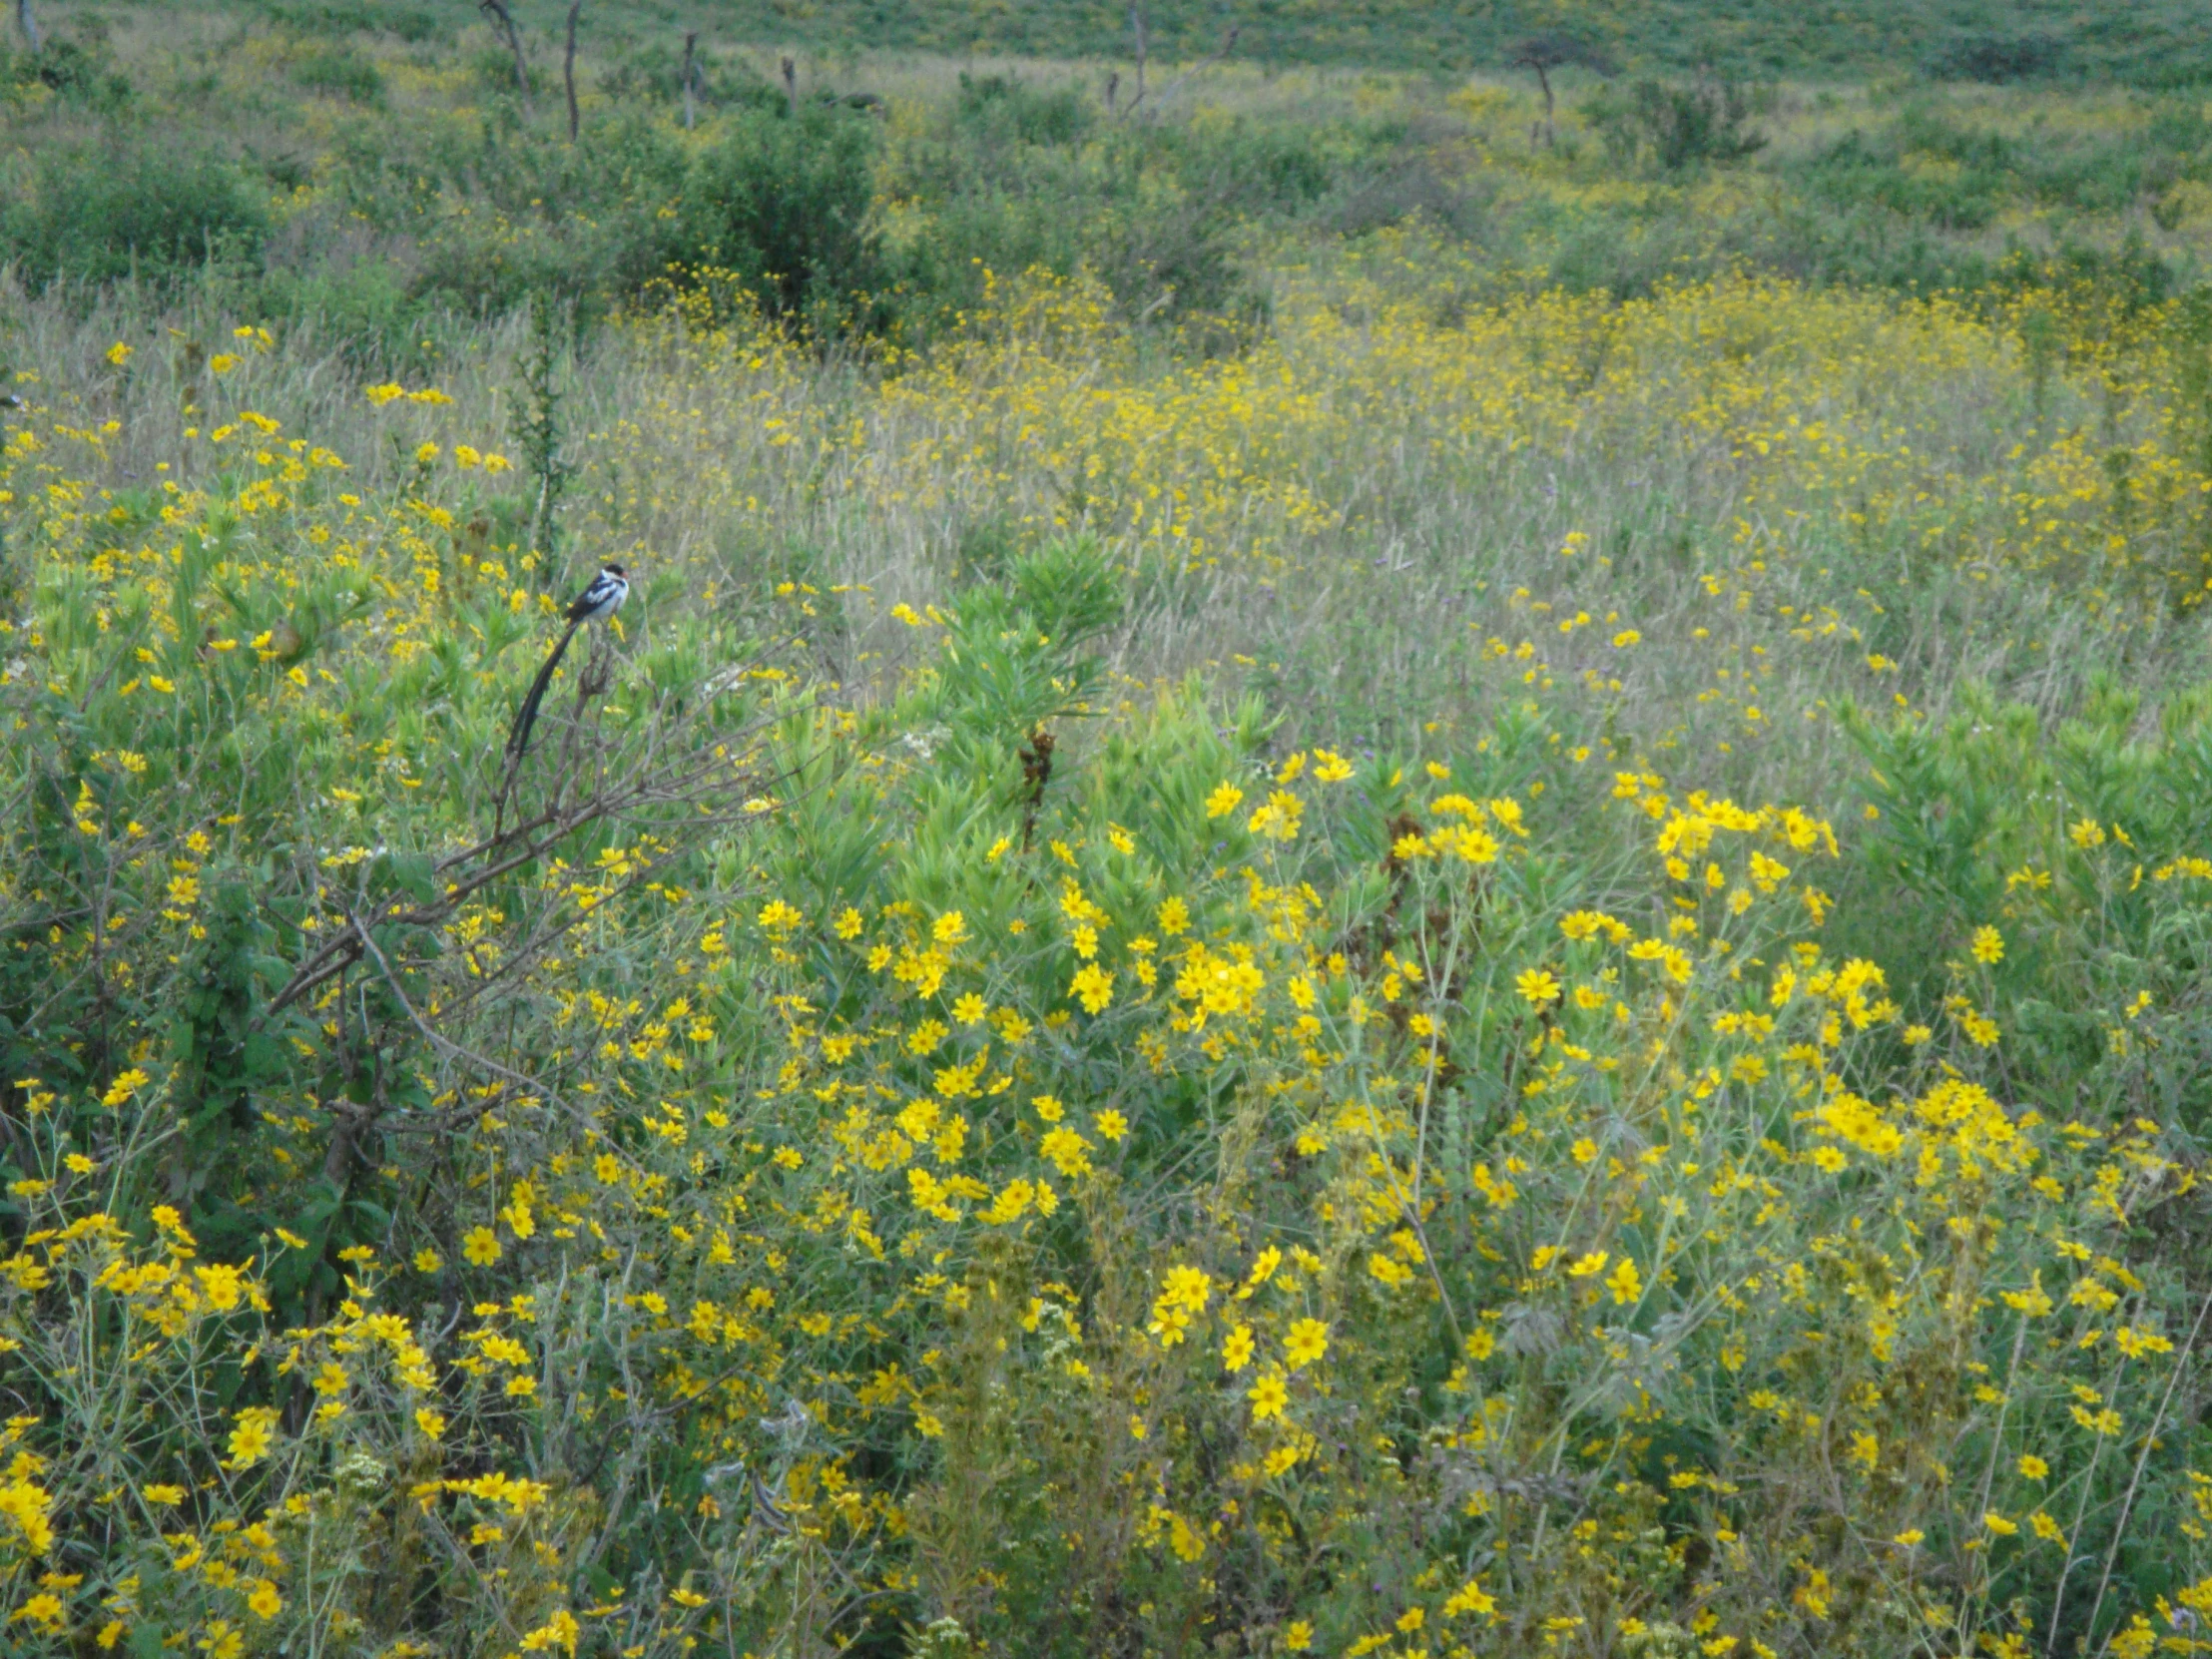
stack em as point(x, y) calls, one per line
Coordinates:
point(518, 736)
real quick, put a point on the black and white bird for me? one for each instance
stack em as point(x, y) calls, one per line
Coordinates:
point(594, 604)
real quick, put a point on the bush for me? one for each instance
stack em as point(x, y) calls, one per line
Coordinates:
point(341, 69)
point(1002, 107)
point(132, 210)
point(80, 76)
point(655, 70)
point(413, 24)
point(370, 310)
point(782, 205)
point(1679, 127)
point(1996, 59)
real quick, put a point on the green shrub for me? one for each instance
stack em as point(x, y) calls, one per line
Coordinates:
point(369, 311)
point(782, 205)
point(1003, 107)
point(1996, 58)
point(143, 210)
point(1679, 127)
point(341, 69)
point(412, 23)
point(656, 69)
point(82, 77)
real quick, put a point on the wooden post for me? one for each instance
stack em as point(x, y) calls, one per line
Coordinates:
point(567, 66)
point(690, 42)
point(791, 84)
point(27, 23)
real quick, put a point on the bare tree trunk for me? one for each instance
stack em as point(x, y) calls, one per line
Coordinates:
point(791, 84)
point(1551, 134)
point(690, 42)
point(567, 66)
point(1113, 85)
point(504, 20)
point(28, 24)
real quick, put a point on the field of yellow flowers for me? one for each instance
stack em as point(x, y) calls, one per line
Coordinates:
point(1436, 970)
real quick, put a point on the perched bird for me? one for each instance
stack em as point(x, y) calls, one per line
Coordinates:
point(594, 604)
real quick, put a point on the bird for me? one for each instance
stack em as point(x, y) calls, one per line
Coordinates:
point(594, 604)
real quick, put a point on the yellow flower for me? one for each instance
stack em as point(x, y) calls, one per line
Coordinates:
point(2033, 1466)
point(1235, 1348)
point(1999, 1524)
point(1538, 987)
point(126, 1084)
point(119, 353)
point(1988, 945)
point(1267, 1395)
point(1277, 818)
point(264, 1599)
point(1223, 801)
point(432, 1423)
point(1068, 1152)
point(1094, 987)
point(1307, 1341)
point(1470, 1597)
point(482, 1245)
point(1625, 1282)
point(249, 1439)
point(1625, 638)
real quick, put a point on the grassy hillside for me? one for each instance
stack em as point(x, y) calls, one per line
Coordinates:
point(1348, 880)
point(2159, 43)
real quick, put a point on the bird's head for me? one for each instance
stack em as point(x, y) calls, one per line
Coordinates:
point(614, 570)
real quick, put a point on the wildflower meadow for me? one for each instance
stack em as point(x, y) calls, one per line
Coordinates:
point(1279, 926)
